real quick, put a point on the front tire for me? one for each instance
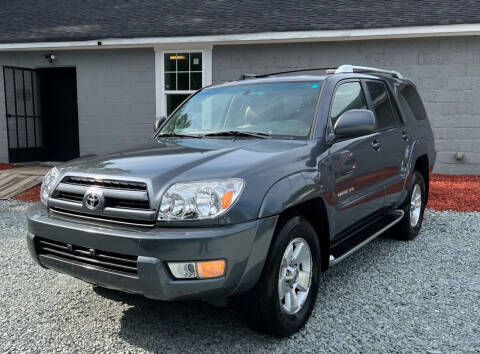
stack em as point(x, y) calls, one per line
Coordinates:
point(283, 299)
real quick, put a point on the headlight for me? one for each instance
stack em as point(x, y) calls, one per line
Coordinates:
point(48, 183)
point(199, 200)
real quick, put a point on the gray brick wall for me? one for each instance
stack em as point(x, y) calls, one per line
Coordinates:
point(446, 71)
point(116, 95)
point(116, 88)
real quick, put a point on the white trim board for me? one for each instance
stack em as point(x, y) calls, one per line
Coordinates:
point(160, 92)
point(266, 37)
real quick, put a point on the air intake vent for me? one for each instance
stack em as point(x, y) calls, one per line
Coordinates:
point(116, 262)
point(73, 197)
point(127, 204)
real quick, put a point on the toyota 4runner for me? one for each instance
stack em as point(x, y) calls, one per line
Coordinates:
point(248, 190)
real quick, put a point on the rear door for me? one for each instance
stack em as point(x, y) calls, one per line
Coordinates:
point(355, 164)
point(394, 136)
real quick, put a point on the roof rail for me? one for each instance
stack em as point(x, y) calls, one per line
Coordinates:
point(255, 76)
point(353, 68)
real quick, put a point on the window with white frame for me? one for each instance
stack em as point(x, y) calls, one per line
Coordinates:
point(182, 73)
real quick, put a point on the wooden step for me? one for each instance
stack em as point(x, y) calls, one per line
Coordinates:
point(14, 184)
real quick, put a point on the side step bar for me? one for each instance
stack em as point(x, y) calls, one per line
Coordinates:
point(398, 214)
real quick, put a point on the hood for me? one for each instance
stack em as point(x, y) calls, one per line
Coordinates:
point(179, 156)
point(160, 163)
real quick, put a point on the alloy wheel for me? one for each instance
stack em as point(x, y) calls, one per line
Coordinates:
point(415, 205)
point(295, 276)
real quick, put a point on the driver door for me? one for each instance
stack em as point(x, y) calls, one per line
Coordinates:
point(355, 163)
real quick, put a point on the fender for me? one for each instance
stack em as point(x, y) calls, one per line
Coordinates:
point(410, 163)
point(414, 151)
point(293, 190)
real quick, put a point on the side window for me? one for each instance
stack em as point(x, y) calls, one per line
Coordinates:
point(381, 104)
point(411, 100)
point(347, 96)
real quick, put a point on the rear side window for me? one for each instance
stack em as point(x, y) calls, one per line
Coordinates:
point(411, 100)
point(381, 104)
point(347, 96)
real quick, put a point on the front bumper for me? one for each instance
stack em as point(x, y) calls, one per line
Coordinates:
point(244, 246)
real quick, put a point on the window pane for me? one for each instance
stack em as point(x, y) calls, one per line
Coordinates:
point(170, 62)
point(412, 101)
point(170, 81)
point(178, 71)
point(173, 101)
point(195, 81)
point(182, 61)
point(182, 81)
point(273, 108)
point(381, 104)
point(347, 96)
point(196, 61)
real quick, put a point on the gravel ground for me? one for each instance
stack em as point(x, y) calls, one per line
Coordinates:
point(390, 296)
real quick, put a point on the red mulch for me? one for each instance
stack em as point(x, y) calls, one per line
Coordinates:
point(458, 193)
point(447, 192)
point(7, 166)
point(31, 195)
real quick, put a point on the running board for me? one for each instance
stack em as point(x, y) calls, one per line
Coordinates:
point(398, 214)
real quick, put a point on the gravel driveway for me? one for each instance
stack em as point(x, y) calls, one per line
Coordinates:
point(390, 296)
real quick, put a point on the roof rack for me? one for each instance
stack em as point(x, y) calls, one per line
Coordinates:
point(343, 69)
point(255, 76)
point(359, 69)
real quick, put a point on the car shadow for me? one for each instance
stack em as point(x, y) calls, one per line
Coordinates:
point(198, 326)
point(155, 325)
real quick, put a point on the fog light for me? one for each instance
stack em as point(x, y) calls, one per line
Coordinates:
point(183, 270)
point(198, 270)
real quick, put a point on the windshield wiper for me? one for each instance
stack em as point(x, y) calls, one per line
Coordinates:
point(178, 135)
point(239, 133)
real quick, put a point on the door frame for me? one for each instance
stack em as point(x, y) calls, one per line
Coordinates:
point(36, 151)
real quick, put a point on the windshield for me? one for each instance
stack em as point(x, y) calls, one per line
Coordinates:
point(277, 109)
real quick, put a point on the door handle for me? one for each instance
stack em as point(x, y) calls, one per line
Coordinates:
point(375, 145)
point(404, 136)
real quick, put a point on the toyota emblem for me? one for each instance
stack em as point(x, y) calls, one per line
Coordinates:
point(92, 200)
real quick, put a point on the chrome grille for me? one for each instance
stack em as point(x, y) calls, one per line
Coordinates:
point(105, 183)
point(121, 200)
point(111, 202)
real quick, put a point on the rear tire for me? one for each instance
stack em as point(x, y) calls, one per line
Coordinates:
point(413, 207)
point(284, 297)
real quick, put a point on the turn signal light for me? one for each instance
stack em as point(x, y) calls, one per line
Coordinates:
point(227, 199)
point(211, 269)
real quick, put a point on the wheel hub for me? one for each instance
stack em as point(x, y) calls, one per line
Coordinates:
point(295, 276)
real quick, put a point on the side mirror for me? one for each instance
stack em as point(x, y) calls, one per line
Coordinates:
point(158, 123)
point(355, 122)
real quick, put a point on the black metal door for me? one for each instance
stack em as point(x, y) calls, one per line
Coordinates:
point(22, 107)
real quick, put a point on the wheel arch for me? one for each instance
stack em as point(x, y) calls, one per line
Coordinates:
point(302, 194)
point(315, 212)
point(419, 160)
point(422, 166)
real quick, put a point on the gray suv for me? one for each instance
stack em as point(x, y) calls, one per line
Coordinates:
point(247, 191)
